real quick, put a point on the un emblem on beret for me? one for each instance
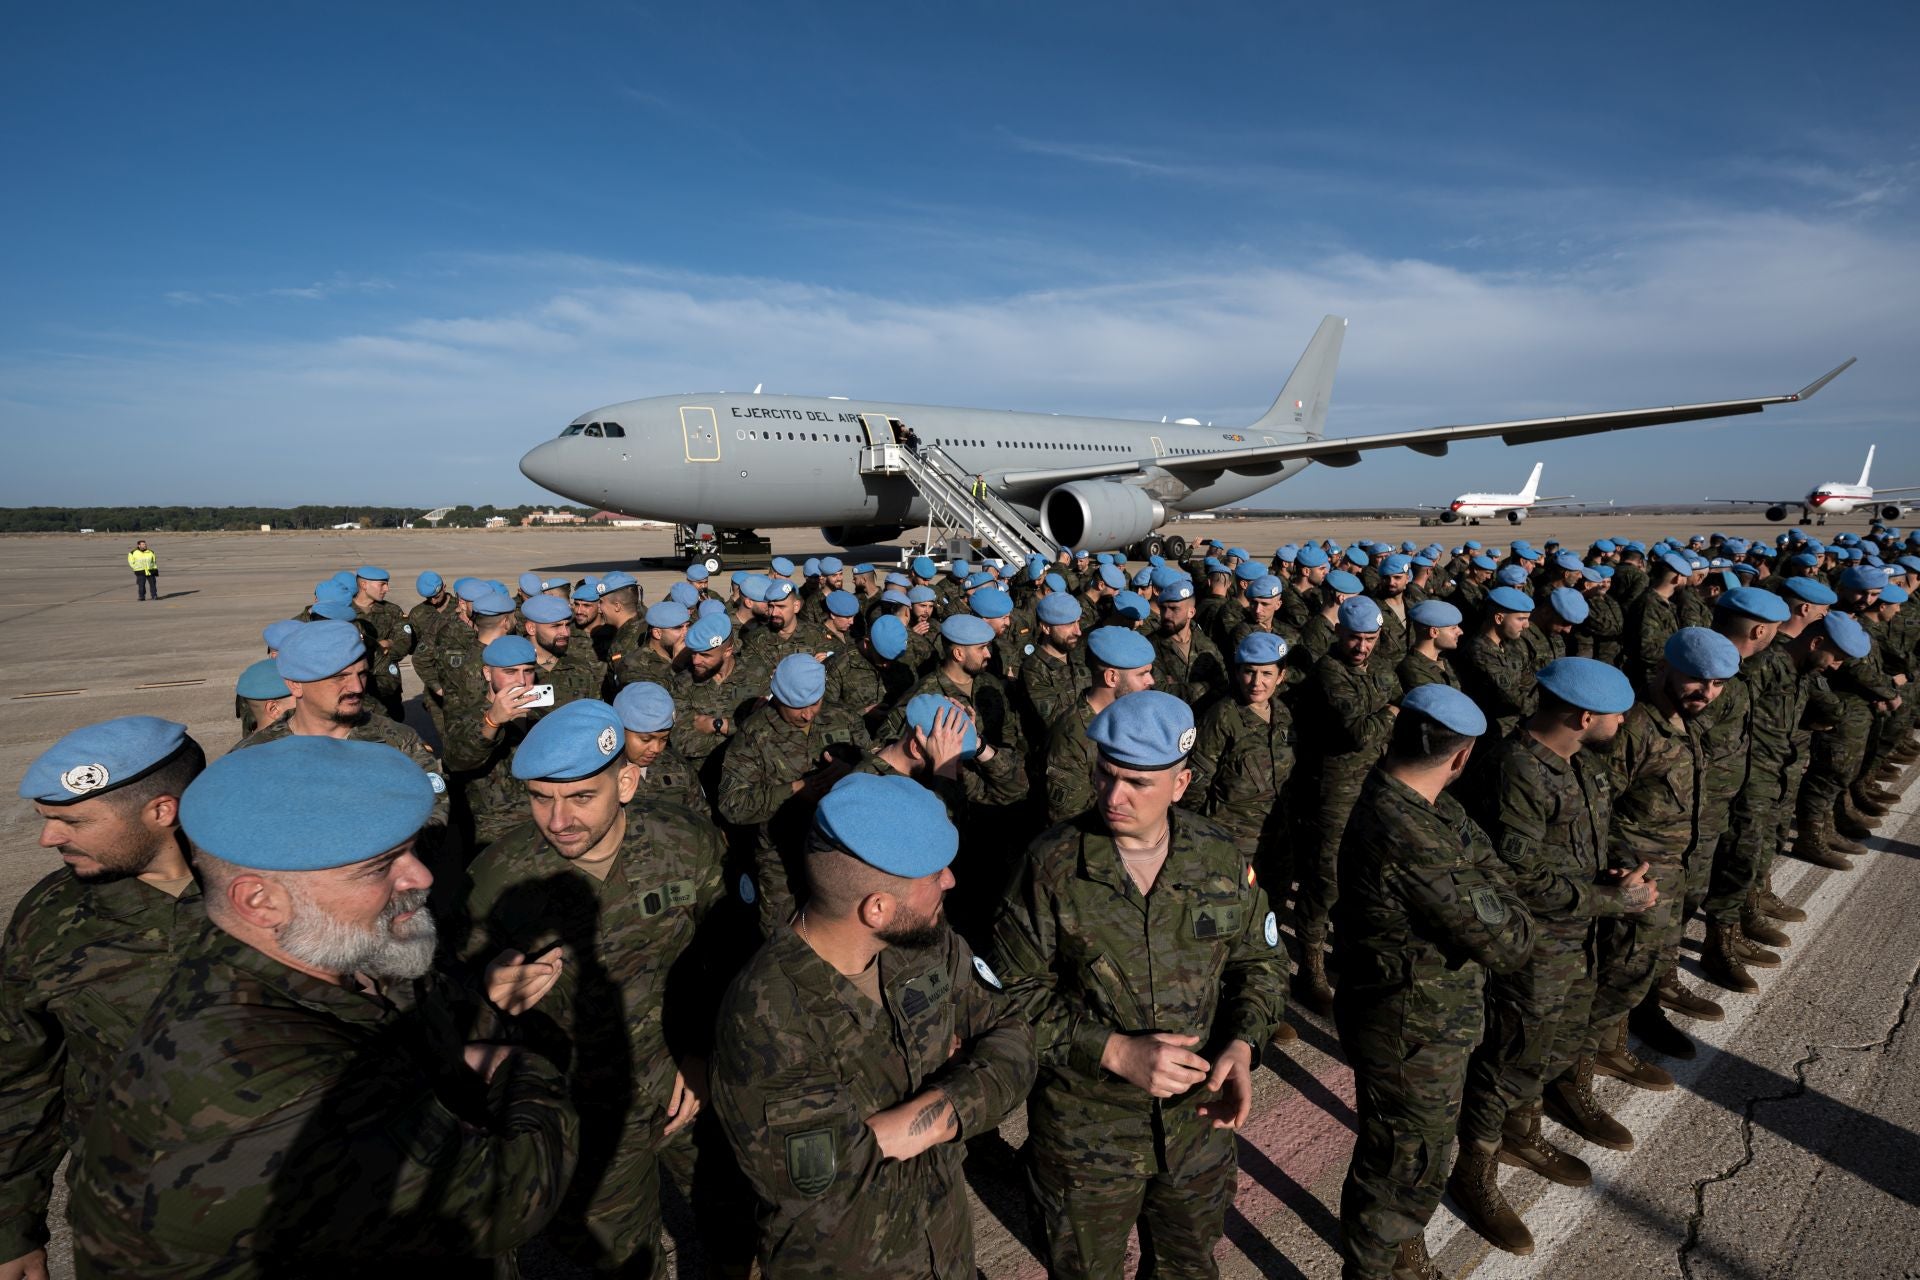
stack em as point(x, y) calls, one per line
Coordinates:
point(607, 741)
point(1187, 738)
point(83, 778)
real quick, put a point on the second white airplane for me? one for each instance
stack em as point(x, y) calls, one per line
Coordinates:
point(1832, 498)
point(1475, 507)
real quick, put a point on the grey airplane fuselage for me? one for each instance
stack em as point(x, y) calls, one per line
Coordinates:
point(738, 460)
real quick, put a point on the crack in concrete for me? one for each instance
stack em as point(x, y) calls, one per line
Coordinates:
point(1697, 1220)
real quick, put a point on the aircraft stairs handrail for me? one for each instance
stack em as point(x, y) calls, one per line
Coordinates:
point(1013, 538)
point(952, 503)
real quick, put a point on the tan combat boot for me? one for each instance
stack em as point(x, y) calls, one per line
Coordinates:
point(1622, 1063)
point(1476, 1197)
point(1570, 1101)
point(1771, 904)
point(1649, 1024)
point(1283, 1034)
point(1414, 1264)
point(1310, 986)
point(1677, 996)
point(1751, 952)
point(1754, 924)
point(1816, 841)
point(1524, 1146)
point(1851, 820)
point(1721, 964)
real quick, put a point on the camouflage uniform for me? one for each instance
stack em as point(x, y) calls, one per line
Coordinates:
point(802, 1058)
point(1718, 872)
point(1425, 912)
point(1240, 765)
point(1651, 622)
point(733, 700)
point(267, 1123)
point(1345, 713)
point(1069, 764)
point(1417, 669)
point(483, 769)
point(1195, 676)
point(1051, 686)
point(1295, 608)
point(766, 757)
point(1547, 817)
point(578, 675)
point(642, 664)
point(631, 1004)
point(670, 779)
point(1840, 754)
point(1317, 639)
point(1085, 954)
point(857, 686)
point(1600, 635)
point(391, 628)
point(1497, 677)
point(462, 673)
point(626, 650)
point(81, 963)
point(1395, 638)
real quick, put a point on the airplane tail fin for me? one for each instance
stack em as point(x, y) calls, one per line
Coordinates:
point(1867, 468)
point(1533, 482)
point(1302, 406)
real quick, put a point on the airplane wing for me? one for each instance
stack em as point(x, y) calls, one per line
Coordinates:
point(1563, 500)
point(1761, 502)
point(1432, 441)
point(1909, 488)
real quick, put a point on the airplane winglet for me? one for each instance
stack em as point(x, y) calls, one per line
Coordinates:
point(1807, 391)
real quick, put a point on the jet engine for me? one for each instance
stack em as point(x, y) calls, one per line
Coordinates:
point(1516, 517)
point(1099, 514)
point(1890, 512)
point(1449, 516)
point(860, 535)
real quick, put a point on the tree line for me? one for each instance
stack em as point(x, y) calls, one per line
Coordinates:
point(150, 520)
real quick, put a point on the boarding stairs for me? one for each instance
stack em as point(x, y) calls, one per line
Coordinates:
point(953, 508)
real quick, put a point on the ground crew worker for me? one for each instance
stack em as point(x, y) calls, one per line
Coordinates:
point(1347, 711)
point(146, 571)
point(1543, 797)
point(1143, 952)
point(277, 1111)
point(481, 737)
point(646, 713)
point(868, 677)
point(1495, 672)
point(1119, 662)
point(393, 637)
point(783, 760)
point(1433, 632)
point(859, 1044)
point(88, 949)
point(260, 695)
point(1186, 663)
point(617, 896)
point(1425, 913)
point(1052, 676)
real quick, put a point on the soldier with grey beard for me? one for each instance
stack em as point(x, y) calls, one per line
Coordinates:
point(306, 1097)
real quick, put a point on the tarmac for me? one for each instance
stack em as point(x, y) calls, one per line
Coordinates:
point(1791, 1146)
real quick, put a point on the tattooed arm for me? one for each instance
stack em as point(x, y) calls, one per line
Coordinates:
point(923, 1121)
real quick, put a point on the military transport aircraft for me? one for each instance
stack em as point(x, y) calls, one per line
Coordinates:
point(1832, 498)
point(736, 461)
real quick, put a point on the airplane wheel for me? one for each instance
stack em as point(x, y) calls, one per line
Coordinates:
point(712, 562)
point(1152, 546)
point(1176, 548)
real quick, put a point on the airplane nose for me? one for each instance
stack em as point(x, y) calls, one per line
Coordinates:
point(542, 465)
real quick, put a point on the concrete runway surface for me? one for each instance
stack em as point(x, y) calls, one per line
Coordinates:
point(1790, 1148)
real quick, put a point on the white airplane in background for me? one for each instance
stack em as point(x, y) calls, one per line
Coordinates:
point(1475, 507)
point(1832, 498)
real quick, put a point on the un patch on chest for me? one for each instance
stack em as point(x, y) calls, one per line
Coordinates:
point(924, 994)
point(679, 893)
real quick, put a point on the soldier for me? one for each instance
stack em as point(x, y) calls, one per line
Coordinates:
point(1599, 636)
point(1425, 913)
point(481, 737)
point(839, 614)
point(923, 629)
point(860, 1044)
point(782, 635)
point(1652, 617)
point(646, 712)
point(1096, 590)
point(653, 657)
point(1496, 673)
point(1142, 951)
point(621, 631)
point(1186, 663)
point(1549, 629)
point(868, 678)
point(261, 695)
point(713, 695)
point(1469, 591)
point(965, 645)
point(938, 742)
point(574, 672)
point(1299, 591)
point(1054, 673)
point(617, 896)
point(305, 1096)
point(1317, 636)
point(1119, 662)
point(1433, 628)
point(1390, 593)
point(1347, 711)
point(88, 949)
point(1862, 688)
point(436, 602)
point(584, 600)
point(441, 656)
point(392, 634)
point(784, 759)
point(1214, 593)
point(995, 607)
point(462, 666)
point(1543, 798)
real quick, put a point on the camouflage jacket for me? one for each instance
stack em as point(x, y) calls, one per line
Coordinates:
point(1497, 677)
point(1344, 714)
point(1240, 765)
point(1425, 912)
point(642, 663)
point(637, 990)
point(869, 692)
point(80, 965)
point(393, 627)
point(1780, 693)
point(671, 779)
point(803, 1058)
point(1085, 954)
point(1651, 622)
point(578, 675)
point(483, 769)
point(456, 660)
point(1195, 676)
point(1417, 669)
point(1657, 764)
point(626, 648)
point(1295, 608)
point(266, 1123)
point(734, 700)
point(1069, 763)
point(1724, 730)
point(1049, 686)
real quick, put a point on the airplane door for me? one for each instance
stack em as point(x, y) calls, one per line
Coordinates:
point(878, 430)
point(1159, 450)
point(702, 433)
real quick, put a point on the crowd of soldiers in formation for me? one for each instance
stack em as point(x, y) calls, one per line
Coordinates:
point(1487, 788)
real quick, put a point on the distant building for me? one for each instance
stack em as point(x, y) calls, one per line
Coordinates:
point(551, 517)
point(620, 520)
point(496, 522)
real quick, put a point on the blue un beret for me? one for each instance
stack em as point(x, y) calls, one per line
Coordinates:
point(667, 614)
point(1507, 600)
point(1112, 577)
point(1863, 577)
point(319, 650)
point(685, 594)
point(1763, 606)
point(888, 636)
point(531, 584)
point(616, 580)
point(276, 633)
point(472, 589)
point(427, 583)
point(1055, 583)
point(1132, 605)
point(842, 604)
point(262, 680)
point(924, 567)
point(991, 602)
point(100, 757)
point(1512, 576)
point(570, 742)
point(1144, 730)
point(1448, 707)
point(643, 707)
point(1121, 648)
point(893, 824)
point(1259, 647)
point(372, 573)
point(1569, 604)
point(711, 609)
point(1343, 583)
point(508, 651)
point(778, 589)
point(1310, 557)
point(333, 611)
point(494, 604)
point(1268, 587)
point(545, 610)
point(921, 711)
point(306, 803)
point(1181, 588)
point(1360, 614)
point(709, 633)
point(1811, 590)
point(1250, 571)
point(1847, 635)
point(920, 594)
point(1587, 684)
point(323, 592)
point(799, 680)
point(1058, 609)
point(754, 587)
point(964, 628)
point(1702, 654)
point(830, 565)
point(781, 566)
point(1434, 613)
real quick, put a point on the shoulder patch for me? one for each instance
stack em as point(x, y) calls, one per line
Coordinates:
point(1272, 930)
point(407, 627)
point(393, 668)
point(1488, 905)
point(455, 658)
point(438, 783)
point(811, 1161)
point(987, 975)
point(747, 894)
point(1029, 649)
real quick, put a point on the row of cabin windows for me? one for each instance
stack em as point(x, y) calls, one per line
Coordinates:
point(613, 430)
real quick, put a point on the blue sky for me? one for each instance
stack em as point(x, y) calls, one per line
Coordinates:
point(272, 254)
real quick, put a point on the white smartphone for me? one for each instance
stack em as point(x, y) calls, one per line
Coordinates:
point(539, 695)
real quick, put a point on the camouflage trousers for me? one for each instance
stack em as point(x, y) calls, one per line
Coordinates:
point(1536, 1023)
point(1792, 776)
point(1085, 1214)
point(1324, 826)
point(1745, 850)
point(1838, 757)
point(1407, 1099)
point(1631, 951)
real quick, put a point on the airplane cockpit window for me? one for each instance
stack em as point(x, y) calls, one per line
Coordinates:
point(574, 430)
point(614, 430)
point(594, 430)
